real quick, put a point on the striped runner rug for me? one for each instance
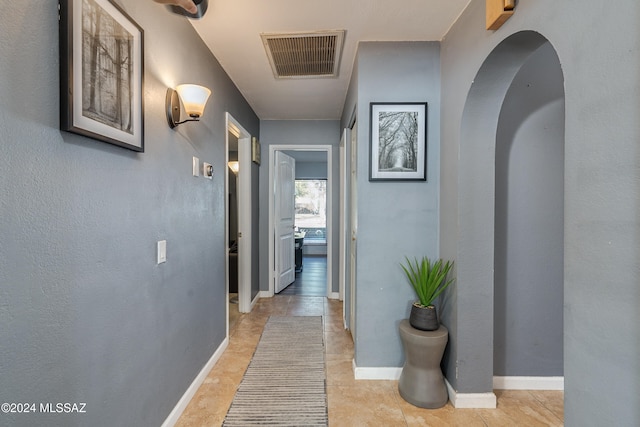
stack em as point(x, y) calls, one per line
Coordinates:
point(285, 382)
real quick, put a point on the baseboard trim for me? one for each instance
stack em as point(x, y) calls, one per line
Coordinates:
point(528, 383)
point(334, 295)
point(471, 400)
point(265, 294)
point(458, 400)
point(173, 417)
point(376, 373)
point(255, 300)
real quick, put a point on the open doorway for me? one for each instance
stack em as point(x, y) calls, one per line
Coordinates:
point(312, 212)
point(310, 222)
point(238, 220)
point(232, 226)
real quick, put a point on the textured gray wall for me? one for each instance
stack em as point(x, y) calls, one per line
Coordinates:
point(529, 224)
point(86, 315)
point(394, 218)
point(297, 132)
point(598, 50)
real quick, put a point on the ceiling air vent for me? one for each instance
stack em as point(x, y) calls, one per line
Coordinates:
point(302, 55)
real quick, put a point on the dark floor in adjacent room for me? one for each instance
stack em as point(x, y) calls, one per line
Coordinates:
point(312, 280)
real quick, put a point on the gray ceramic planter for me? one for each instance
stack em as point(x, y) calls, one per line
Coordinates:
point(424, 318)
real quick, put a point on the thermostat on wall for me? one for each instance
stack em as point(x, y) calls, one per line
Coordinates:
point(207, 170)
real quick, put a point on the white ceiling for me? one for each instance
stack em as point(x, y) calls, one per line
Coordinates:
point(231, 29)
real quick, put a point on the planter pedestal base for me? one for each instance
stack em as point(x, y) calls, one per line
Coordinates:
point(421, 382)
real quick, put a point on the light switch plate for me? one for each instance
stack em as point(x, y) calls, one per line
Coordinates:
point(162, 251)
point(196, 166)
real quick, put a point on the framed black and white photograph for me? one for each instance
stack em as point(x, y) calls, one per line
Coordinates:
point(398, 141)
point(101, 73)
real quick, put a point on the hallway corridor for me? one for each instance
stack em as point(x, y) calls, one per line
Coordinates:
point(350, 402)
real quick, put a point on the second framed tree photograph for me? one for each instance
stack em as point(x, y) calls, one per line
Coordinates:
point(398, 149)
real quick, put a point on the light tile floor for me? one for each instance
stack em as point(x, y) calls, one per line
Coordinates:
point(353, 403)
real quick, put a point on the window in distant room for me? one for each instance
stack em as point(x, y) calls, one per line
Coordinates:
point(311, 209)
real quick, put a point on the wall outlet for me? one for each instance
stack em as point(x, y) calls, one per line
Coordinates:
point(196, 166)
point(162, 251)
point(207, 170)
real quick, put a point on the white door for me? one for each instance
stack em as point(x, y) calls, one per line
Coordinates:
point(244, 225)
point(342, 243)
point(284, 196)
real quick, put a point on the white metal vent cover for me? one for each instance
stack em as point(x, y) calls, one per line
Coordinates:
point(304, 55)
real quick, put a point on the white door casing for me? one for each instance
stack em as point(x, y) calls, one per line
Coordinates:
point(354, 229)
point(342, 249)
point(244, 215)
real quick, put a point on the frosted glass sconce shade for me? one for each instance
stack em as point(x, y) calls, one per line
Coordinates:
point(194, 98)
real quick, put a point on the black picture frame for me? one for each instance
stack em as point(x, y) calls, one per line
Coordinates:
point(398, 141)
point(101, 73)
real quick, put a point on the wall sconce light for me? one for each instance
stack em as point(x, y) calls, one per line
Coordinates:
point(498, 11)
point(193, 97)
point(235, 167)
point(201, 5)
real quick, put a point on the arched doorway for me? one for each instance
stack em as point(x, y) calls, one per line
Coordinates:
point(469, 364)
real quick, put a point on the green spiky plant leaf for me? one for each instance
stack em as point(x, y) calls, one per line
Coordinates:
point(427, 278)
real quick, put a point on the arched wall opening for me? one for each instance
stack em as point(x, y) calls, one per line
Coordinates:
point(529, 227)
point(469, 361)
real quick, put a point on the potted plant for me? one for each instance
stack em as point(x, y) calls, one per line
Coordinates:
point(428, 280)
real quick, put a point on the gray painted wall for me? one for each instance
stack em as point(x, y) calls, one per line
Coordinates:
point(86, 315)
point(297, 132)
point(598, 50)
point(529, 223)
point(394, 218)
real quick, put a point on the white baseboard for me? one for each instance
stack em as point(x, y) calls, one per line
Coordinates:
point(458, 400)
point(376, 373)
point(265, 294)
point(173, 417)
point(255, 300)
point(471, 400)
point(528, 383)
point(334, 295)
